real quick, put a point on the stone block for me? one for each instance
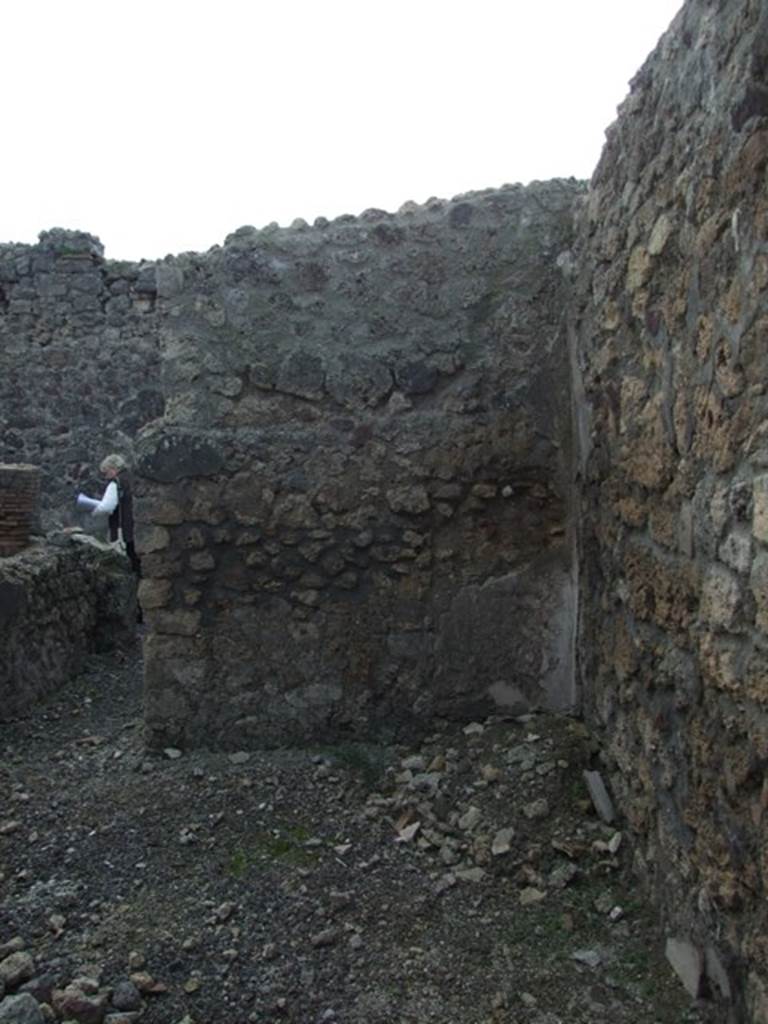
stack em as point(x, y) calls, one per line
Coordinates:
point(151, 538)
point(736, 551)
point(758, 582)
point(760, 508)
point(687, 962)
point(154, 593)
point(721, 598)
point(600, 798)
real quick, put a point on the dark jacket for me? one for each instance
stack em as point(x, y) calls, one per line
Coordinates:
point(122, 519)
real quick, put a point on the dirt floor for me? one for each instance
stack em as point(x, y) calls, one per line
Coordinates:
point(466, 881)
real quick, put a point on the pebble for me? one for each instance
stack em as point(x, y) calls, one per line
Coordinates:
point(470, 819)
point(590, 957)
point(537, 809)
point(126, 996)
point(327, 937)
point(502, 841)
point(531, 895)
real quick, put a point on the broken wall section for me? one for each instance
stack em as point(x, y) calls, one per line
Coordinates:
point(355, 508)
point(670, 329)
point(60, 600)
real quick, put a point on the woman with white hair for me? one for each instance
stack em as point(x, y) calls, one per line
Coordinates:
point(117, 503)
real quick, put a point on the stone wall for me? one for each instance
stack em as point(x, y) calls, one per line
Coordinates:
point(358, 486)
point(355, 507)
point(79, 361)
point(670, 347)
point(60, 600)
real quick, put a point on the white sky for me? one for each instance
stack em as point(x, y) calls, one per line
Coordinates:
point(161, 125)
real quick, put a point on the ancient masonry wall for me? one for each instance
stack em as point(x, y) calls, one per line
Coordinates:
point(354, 510)
point(670, 351)
point(60, 600)
point(79, 361)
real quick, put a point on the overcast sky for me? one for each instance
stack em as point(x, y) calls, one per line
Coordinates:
point(161, 125)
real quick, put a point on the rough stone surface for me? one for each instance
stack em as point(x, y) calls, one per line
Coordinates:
point(60, 600)
point(362, 494)
point(354, 507)
point(306, 881)
point(20, 1009)
point(669, 341)
point(79, 361)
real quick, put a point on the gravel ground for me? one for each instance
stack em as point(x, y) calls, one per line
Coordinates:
point(468, 880)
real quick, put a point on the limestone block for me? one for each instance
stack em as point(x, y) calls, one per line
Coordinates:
point(202, 561)
point(721, 597)
point(663, 524)
point(154, 593)
point(722, 662)
point(756, 678)
point(760, 508)
point(181, 621)
point(660, 234)
point(758, 581)
point(647, 455)
point(736, 551)
point(151, 538)
point(659, 592)
point(412, 500)
point(638, 268)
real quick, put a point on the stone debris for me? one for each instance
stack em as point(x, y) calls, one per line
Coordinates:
point(590, 957)
point(502, 842)
point(20, 1009)
point(290, 879)
point(599, 795)
point(687, 962)
point(16, 968)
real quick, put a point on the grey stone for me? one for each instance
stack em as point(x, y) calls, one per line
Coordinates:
point(599, 794)
point(20, 1009)
point(125, 996)
point(687, 962)
point(16, 969)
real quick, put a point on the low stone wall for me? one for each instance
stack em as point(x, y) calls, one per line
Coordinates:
point(60, 600)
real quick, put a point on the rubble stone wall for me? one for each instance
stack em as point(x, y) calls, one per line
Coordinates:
point(670, 346)
point(354, 510)
point(60, 600)
point(79, 362)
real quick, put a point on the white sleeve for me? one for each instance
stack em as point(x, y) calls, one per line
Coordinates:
point(108, 503)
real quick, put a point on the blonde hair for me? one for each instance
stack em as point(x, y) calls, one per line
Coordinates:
point(116, 462)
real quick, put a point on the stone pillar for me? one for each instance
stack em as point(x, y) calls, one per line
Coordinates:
point(19, 498)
